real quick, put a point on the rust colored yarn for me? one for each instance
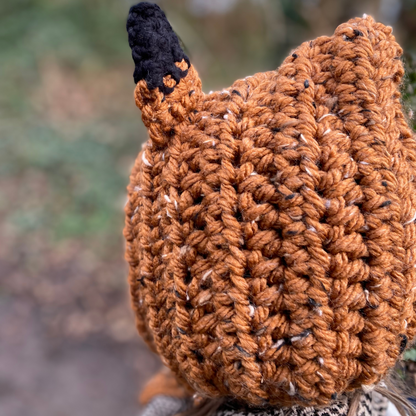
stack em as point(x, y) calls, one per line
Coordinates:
point(271, 227)
point(163, 384)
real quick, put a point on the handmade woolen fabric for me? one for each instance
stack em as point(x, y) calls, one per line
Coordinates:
point(270, 226)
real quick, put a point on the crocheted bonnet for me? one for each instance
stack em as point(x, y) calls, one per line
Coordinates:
point(270, 226)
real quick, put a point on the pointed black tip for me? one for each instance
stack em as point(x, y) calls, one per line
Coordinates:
point(155, 46)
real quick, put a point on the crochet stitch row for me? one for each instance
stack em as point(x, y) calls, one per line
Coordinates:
point(270, 226)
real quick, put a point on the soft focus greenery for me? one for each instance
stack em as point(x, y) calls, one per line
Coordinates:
point(65, 118)
point(409, 87)
point(410, 355)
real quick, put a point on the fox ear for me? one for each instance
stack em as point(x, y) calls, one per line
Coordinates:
point(155, 47)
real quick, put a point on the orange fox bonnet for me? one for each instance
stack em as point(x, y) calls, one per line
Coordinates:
point(270, 226)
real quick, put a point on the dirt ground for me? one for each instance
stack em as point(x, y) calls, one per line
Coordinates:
point(68, 347)
point(42, 376)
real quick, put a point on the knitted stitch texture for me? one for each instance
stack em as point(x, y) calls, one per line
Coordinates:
point(270, 226)
point(155, 46)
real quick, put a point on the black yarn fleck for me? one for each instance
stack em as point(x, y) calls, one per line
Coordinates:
point(403, 343)
point(242, 350)
point(314, 303)
point(181, 331)
point(291, 232)
point(155, 47)
point(385, 204)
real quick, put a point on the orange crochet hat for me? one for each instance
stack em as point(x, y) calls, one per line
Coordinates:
point(271, 226)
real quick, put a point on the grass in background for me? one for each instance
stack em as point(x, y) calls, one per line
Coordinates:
point(70, 133)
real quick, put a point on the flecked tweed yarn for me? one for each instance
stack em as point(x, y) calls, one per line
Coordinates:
point(270, 227)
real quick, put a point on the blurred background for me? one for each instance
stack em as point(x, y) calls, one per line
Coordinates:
point(69, 134)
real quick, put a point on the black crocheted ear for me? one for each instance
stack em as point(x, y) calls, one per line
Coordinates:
point(155, 46)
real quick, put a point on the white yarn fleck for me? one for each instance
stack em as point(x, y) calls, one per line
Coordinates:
point(145, 161)
point(278, 344)
point(325, 115)
point(410, 221)
point(206, 274)
point(183, 250)
point(292, 390)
